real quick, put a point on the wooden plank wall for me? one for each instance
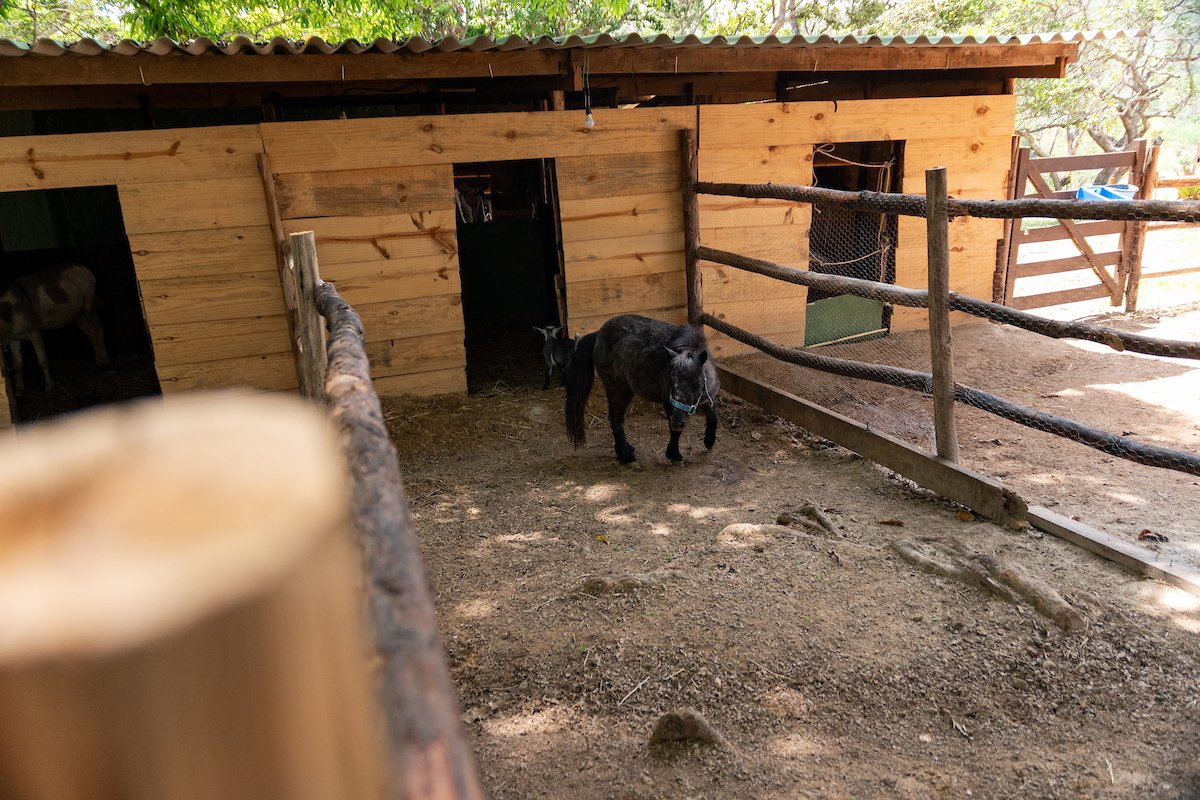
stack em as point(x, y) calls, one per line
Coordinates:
point(970, 136)
point(379, 194)
point(194, 210)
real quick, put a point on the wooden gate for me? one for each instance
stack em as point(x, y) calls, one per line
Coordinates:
point(1104, 270)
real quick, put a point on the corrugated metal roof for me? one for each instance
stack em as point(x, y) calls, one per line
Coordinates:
point(316, 45)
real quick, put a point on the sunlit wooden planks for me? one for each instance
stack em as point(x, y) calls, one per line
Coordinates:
point(212, 299)
point(195, 253)
point(365, 192)
point(192, 205)
point(620, 217)
point(913, 118)
point(443, 381)
point(349, 240)
point(269, 372)
point(591, 176)
point(196, 342)
point(407, 141)
point(128, 157)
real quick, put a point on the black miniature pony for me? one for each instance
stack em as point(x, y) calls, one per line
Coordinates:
point(666, 363)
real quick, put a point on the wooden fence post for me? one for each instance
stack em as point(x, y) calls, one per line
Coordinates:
point(691, 225)
point(940, 353)
point(310, 328)
point(182, 608)
point(1137, 244)
point(1005, 257)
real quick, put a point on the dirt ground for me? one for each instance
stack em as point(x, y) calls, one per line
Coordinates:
point(831, 667)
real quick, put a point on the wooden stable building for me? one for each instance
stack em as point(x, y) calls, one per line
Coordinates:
point(459, 197)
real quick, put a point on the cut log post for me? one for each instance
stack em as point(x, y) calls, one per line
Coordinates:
point(1137, 244)
point(691, 225)
point(310, 326)
point(940, 352)
point(182, 608)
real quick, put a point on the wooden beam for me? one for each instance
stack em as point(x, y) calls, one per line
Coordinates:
point(940, 351)
point(1137, 245)
point(429, 752)
point(287, 278)
point(1140, 560)
point(310, 341)
point(150, 70)
point(1116, 291)
point(688, 152)
point(981, 494)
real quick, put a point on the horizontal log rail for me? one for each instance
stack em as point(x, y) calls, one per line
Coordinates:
point(1119, 446)
point(913, 205)
point(919, 298)
point(428, 750)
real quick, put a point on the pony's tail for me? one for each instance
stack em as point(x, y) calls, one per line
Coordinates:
point(580, 377)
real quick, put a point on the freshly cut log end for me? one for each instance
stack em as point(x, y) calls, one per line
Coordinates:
point(182, 607)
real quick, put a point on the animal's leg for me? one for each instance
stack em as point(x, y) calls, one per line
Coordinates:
point(89, 323)
point(546, 383)
point(39, 349)
point(710, 425)
point(14, 347)
point(619, 398)
point(673, 453)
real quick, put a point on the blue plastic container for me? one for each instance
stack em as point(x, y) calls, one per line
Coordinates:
point(1112, 191)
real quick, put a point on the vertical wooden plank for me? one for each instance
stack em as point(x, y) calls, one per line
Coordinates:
point(1000, 277)
point(1125, 245)
point(309, 323)
point(1137, 246)
point(287, 279)
point(940, 353)
point(1014, 242)
point(691, 224)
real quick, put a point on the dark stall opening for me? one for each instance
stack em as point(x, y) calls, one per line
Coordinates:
point(852, 243)
point(510, 262)
point(47, 228)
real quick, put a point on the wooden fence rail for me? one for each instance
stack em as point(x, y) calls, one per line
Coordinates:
point(429, 754)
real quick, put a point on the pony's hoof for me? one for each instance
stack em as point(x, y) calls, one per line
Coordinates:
point(675, 458)
point(709, 444)
point(627, 457)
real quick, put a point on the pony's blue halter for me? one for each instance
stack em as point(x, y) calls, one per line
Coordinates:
point(690, 410)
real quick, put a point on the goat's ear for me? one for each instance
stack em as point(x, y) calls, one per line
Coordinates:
point(669, 350)
point(539, 330)
point(703, 356)
point(554, 331)
point(578, 336)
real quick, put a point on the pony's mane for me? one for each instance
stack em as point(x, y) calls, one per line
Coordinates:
point(688, 337)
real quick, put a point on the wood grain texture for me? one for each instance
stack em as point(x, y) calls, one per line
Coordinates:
point(394, 279)
point(620, 217)
point(365, 192)
point(193, 205)
point(404, 319)
point(196, 253)
point(936, 118)
point(128, 157)
point(411, 141)
point(164, 681)
point(196, 342)
point(423, 384)
point(624, 295)
point(676, 315)
point(342, 240)
point(432, 353)
point(211, 298)
point(618, 175)
point(268, 372)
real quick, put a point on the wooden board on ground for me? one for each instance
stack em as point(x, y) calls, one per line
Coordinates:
point(977, 492)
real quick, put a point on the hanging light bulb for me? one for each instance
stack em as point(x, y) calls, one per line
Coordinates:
point(588, 121)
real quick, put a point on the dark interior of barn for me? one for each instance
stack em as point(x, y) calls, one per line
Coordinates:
point(510, 263)
point(47, 228)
